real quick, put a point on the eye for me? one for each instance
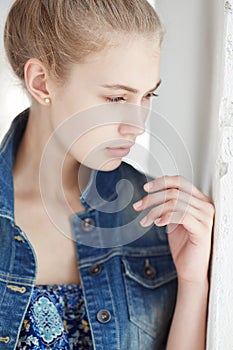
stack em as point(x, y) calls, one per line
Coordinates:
point(116, 99)
point(150, 95)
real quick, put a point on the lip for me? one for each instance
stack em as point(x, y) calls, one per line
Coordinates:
point(118, 152)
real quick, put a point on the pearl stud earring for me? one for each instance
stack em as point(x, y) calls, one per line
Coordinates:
point(47, 100)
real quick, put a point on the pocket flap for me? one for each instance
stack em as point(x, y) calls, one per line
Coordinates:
point(151, 272)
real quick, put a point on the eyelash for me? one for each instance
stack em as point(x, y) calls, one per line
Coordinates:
point(151, 95)
point(119, 99)
point(115, 99)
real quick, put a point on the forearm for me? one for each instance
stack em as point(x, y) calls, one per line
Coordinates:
point(188, 329)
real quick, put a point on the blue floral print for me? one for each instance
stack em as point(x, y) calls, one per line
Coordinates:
point(48, 320)
point(56, 319)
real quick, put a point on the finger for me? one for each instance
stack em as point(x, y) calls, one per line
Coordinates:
point(194, 227)
point(157, 198)
point(178, 182)
point(167, 208)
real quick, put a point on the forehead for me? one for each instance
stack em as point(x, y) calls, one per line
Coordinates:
point(132, 62)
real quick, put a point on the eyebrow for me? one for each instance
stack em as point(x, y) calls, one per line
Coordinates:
point(128, 88)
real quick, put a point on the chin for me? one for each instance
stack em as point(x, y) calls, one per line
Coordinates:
point(111, 165)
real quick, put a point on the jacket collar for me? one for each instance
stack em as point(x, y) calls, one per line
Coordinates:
point(7, 154)
point(101, 186)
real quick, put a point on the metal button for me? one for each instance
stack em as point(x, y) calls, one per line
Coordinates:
point(103, 316)
point(88, 224)
point(94, 269)
point(149, 271)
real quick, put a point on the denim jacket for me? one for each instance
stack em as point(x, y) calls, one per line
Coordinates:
point(127, 272)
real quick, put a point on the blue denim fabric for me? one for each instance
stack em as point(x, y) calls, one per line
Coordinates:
point(135, 279)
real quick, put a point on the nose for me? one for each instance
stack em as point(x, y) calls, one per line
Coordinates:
point(130, 129)
point(133, 119)
point(133, 123)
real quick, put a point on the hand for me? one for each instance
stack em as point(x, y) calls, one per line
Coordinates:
point(189, 215)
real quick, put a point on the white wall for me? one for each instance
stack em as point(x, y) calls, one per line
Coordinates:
point(198, 68)
point(220, 321)
point(187, 92)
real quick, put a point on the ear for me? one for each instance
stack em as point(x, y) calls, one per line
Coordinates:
point(36, 80)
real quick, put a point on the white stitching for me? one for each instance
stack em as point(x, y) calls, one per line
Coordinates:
point(5, 340)
point(19, 238)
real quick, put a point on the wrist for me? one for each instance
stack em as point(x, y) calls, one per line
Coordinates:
point(201, 286)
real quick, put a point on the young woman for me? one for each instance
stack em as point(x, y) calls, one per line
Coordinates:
point(93, 254)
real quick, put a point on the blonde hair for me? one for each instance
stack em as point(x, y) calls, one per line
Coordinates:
point(61, 32)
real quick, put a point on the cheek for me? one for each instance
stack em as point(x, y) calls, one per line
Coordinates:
point(98, 137)
point(75, 98)
point(65, 107)
point(89, 148)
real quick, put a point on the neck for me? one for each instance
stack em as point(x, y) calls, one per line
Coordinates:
point(41, 165)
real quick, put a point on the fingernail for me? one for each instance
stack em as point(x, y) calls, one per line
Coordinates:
point(137, 204)
point(148, 186)
point(157, 221)
point(143, 221)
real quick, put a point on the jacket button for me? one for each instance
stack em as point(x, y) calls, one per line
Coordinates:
point(103, 316)
point(149, 272)
point(94, 269)
point(88, 224)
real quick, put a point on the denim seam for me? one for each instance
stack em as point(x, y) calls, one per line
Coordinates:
point(158, 282)
point(86, 305)
point(103, 258)
point(8, 280)
point(30, 246)
point(113, 306)
point(14, 276)
point(6, 214)
point(23, 316)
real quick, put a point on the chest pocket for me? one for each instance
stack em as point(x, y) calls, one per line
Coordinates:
point(150, 285)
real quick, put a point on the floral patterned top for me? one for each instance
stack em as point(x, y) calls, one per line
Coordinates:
point(56, 319)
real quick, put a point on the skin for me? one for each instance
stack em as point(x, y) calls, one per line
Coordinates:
point(179, 204)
